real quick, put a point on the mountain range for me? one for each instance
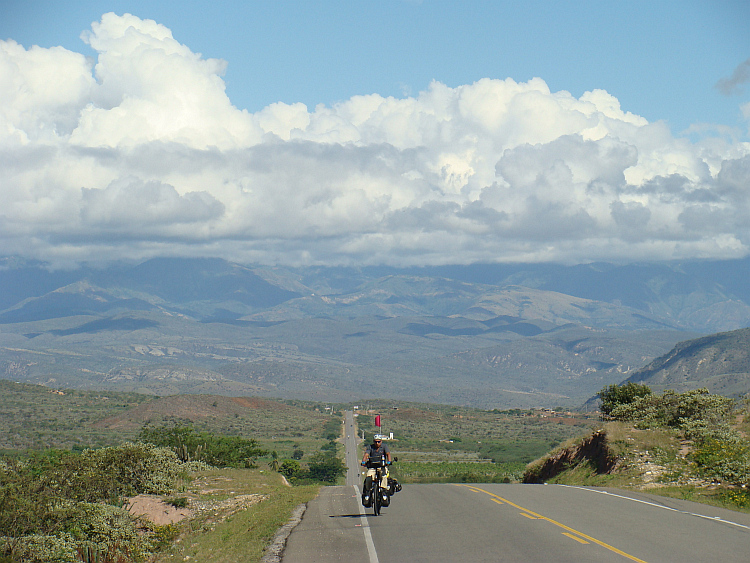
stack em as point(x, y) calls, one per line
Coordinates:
point(493, 336)
point(718, 362)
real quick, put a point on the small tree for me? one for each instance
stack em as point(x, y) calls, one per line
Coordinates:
point(289, 468)
point(615, 395)
point(326, 468)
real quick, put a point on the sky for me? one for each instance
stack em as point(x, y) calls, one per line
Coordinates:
point(397, 132)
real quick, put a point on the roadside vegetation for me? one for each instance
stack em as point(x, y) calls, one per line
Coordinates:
point(64, 506)
point(690, 445)
point(60, 506)
point(242, 465)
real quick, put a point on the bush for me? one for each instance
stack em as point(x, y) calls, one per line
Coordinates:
point(720, 452)
point(727, 461)
point(675, 410)
point(136, 468)
point(326, 468)
point(63, 506)
point(189, 445)
point(39, 549)
point(613, 396)
point(289, 467)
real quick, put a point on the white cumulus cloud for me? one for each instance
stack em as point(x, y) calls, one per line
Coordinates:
point(140, 152)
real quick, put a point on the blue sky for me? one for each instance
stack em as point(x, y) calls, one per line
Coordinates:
point(661, 59)
point(375, 132)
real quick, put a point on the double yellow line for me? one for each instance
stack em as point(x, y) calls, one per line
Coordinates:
point(570, 532)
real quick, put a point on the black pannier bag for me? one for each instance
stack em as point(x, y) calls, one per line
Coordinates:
point(393, 486)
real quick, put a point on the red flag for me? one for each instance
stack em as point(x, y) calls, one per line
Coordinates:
point(377, 421)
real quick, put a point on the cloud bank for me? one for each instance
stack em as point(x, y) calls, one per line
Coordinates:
point(140, 153)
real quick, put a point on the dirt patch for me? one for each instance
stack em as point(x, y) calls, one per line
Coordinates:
point(156, 510)
point(255, 403)
point(593, 449)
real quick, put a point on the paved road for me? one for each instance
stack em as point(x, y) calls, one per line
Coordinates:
point(509, 523)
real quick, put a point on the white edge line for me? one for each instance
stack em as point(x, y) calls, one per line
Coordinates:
point(366, 529)
point(712, 518)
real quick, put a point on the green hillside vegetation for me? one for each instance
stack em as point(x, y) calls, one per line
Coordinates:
point(692, 445)
point(37, 417)
point(65, 506)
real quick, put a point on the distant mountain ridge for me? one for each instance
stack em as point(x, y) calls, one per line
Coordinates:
point(484, 335)
point(702, 296)
point(719, 362)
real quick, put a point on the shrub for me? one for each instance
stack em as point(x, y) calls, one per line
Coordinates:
point(326, 468)
point(613, 396)
point(727, 461)
point(63, 506)
point(289, 467)
point(676, 410)
point(106, 533)
point(189, 445)
point(178, 502)
point(137, 468)
point(39, 549)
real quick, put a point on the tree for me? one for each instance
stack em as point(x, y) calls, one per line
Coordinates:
point(289, 468)
point(326, 468)
point(615, 395)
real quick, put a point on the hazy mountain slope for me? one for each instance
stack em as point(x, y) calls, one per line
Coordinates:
point(400, 296)
point(700, 295)
point(181, 281)
point(720, 362)
point(553, 368)
point(448, 335)
point(196, 287)
point(76, 299)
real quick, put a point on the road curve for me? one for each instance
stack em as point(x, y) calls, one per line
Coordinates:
point(513, 523)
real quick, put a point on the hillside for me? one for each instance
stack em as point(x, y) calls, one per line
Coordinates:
point(719, 362)
point(38, 417)
point(691, 445)
point(492, 336)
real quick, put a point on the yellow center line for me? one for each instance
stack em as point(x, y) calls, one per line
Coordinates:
point(529, 513)
point(574, 537)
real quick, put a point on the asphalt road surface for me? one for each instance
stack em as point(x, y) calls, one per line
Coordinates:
point(512, 523)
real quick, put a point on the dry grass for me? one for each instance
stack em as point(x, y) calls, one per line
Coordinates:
point(236, 514)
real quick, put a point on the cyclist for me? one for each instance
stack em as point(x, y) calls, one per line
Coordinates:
point(376, 452)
